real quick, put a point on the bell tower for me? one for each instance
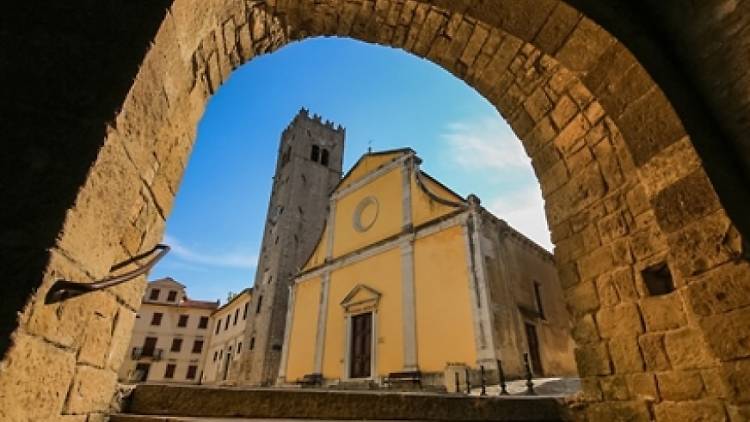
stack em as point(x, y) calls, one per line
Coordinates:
point(308, 168)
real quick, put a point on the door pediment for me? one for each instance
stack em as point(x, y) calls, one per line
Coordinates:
point(361, 298)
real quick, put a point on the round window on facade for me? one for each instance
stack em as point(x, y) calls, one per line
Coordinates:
point(366, 213)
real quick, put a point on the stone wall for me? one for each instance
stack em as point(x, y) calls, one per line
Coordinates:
point(624, 188)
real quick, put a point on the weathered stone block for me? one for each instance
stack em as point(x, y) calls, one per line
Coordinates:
point(590, 390)
point(123, 324)
point(654, 354)
point(571, 137)
point(737, 376)
point(34, 379)
point(643, 386)
point(614, 388)
point(584, 330)
point(625, 283)
point(721, 290)
point(595, 263)
point(608, 296)
point(584, 46)
point(691, 411)
point(687, 349)
point(63, 322)
point(663, 312)
point(565, 109)
point(705, 244)
point(558, 27)
point(685, 201)
point(98, 330)
point(631, 411)
point(649, 125)
point(620, 320)
point(582, 299)
point(626, 356)
point(593, 360)
point(680, 385)
point(715, 385)
point(91, 391)
point(728, 334)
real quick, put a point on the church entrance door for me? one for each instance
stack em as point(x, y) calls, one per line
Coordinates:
point(361, 346)
point(534, 354)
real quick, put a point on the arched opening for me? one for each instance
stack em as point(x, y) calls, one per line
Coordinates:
point(624, 190)
point(406, 102)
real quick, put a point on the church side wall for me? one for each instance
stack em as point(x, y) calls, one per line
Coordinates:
point(445, 332)
point(514, 264)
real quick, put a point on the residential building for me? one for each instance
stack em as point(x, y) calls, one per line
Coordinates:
point(227, 340)
point(170, 336)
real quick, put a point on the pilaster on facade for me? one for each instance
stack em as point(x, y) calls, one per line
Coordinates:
point(320, 335)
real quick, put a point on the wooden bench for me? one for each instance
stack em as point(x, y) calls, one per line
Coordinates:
point(411, 378)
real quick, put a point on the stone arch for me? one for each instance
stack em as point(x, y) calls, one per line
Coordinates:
point(624, 191)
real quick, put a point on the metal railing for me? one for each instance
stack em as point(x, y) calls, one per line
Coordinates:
point(145, 352)
point(64, 289)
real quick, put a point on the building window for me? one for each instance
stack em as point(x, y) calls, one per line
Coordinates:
point(216, 354)
point(203, 322)
point(252, 343)
point(172, 296)
point(538, 298)
point(236, 316)
point(154, 295)
point(176, 345)
point(169, 372)
point(183, 321)
point(260, 303)
point(156, 318)
point(192, 369)
point(244, 313)
point(149, 346)
point(315, 153)
point(239, 347)
point(218, 326)
point(226, 323)
point(324, 157)
point(197, 346)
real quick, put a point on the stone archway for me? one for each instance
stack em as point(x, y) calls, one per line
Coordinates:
point(625, 194)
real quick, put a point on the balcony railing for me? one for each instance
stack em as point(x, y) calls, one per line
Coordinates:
point(142, 353)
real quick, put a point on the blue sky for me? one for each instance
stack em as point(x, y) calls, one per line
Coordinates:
point(383, 97)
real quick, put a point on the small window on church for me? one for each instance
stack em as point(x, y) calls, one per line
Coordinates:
point(260, 303)
point(315, 153)
point(324, 157)
point(538, 298)
point(252, 343)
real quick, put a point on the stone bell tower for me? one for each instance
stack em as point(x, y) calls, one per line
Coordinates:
point(308, 168)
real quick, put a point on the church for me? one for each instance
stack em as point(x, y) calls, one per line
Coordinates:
point(409, 277)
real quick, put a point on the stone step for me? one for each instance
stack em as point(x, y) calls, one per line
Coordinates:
point(180, 402)
point(144, 418)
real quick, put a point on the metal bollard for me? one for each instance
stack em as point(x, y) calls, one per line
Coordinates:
point(458, 385)
point(483, 380)
point(468, 381)
point(501, 376)
point(529, 382)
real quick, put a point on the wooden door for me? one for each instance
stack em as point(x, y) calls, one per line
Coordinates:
point(361, 346)
point(534, 352)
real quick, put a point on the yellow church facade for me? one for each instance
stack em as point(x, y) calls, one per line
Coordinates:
point(408, 278)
